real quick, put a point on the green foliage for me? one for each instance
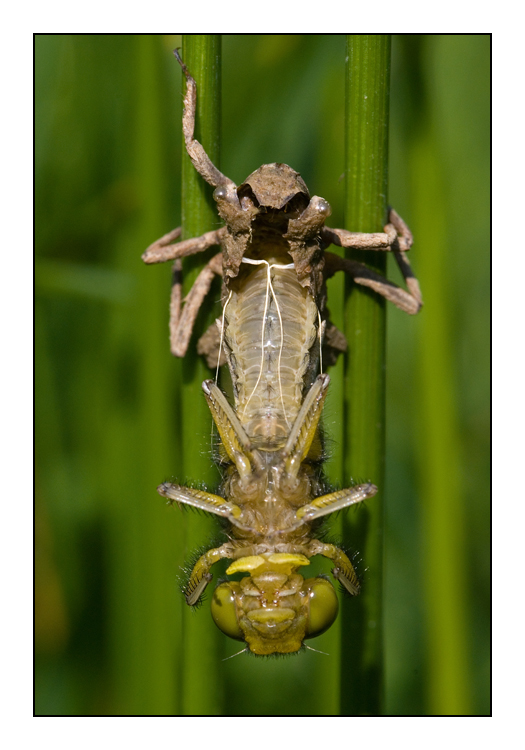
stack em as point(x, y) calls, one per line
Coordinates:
point(200, 673)
point(116, 414)
point(366, 174)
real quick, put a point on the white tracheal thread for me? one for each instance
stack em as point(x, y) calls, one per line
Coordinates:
point(222, 337)
point(218, 364)
point(269, 287)
point(320, 343)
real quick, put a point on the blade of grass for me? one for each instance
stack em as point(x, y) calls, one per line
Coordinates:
point(439, 454)
point(201, 53)
point(367, 98)
point(439, 448)
point(137, 431)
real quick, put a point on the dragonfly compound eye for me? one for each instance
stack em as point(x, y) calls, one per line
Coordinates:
point(220, 193)
point(322, 606)
point(224, 611)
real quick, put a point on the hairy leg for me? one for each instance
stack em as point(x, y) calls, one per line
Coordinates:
point(396, 238)
point(182, 318)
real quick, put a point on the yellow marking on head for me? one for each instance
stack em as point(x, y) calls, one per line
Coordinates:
point(259, 563)
point(287, 558)
point(276, 614)
point(246, 564)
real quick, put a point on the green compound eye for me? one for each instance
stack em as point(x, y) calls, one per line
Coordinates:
point(224, 612)
point(322, 606)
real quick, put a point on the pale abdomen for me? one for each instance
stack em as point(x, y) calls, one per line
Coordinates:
point(272, 334)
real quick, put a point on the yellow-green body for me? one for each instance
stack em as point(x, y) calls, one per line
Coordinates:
point(271, 453)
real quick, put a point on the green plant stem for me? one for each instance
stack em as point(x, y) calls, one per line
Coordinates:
point(367, 98)
point(201, 53)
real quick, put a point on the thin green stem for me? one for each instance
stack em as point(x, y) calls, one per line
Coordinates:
point(367, 97)
point(201, 53)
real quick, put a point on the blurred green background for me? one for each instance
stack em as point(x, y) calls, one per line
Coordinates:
point(112, 633)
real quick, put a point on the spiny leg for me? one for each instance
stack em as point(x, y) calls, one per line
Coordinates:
point(410, 302)
point(166, 248)
point(397, 235)
point(182, 321)
point(237, 217)
point(334, 501)
point(397, 238)
point(361, 240)
point(234, 439)
point(201, 575)
point(206, 501)
point(410, 280)
point(344, 570)
point(404, 243)
point(404, 235)
point(163, 245)
point(200, 159)
point(305, 426)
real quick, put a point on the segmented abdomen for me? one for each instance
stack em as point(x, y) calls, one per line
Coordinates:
point(271, 332)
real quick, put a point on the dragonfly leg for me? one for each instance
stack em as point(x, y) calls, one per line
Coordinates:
point(182, 318)
point(201, 575)
point(166, 248)
point(334, 501)
point(344, 570)
point(200, 159)
point(234, 439)
point(408, 301)
point(396, 238)
point(206, 501)
point(304, 430)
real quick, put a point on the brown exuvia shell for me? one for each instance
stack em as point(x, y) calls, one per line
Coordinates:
point(274, 185)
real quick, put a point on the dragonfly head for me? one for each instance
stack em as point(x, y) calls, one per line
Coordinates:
point(275, 189)
point(274, 609)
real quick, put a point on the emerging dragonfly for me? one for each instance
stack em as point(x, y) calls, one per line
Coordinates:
point(273, 325)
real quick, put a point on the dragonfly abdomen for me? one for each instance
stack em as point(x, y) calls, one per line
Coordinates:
point(271, 331)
